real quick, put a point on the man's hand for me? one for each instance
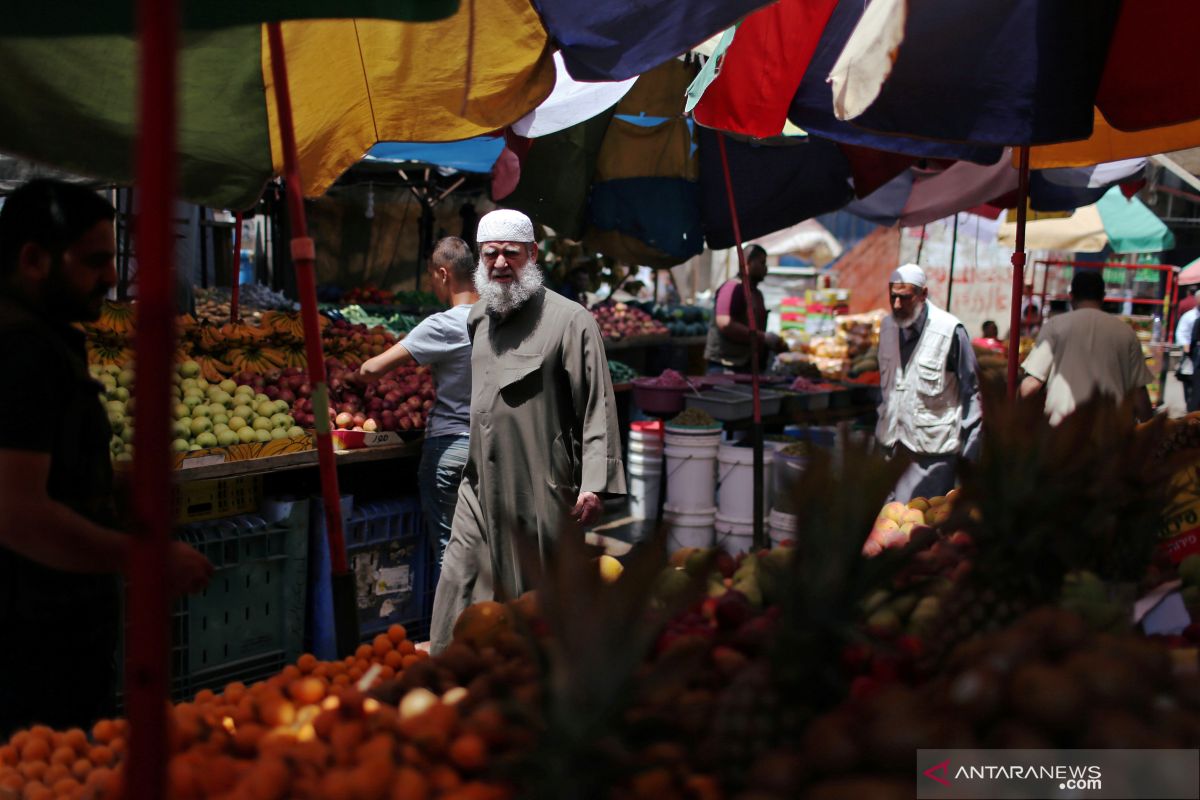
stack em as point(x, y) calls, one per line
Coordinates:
point(1030, 386)
point(187, 570)
point(775, 342)
point(587, 508)
point(369, 372)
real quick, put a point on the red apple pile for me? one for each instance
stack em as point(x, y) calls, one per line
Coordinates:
point(399, 401)
point(368, 295)
point(619, 321)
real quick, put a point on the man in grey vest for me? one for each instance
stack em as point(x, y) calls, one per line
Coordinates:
point(931, 409)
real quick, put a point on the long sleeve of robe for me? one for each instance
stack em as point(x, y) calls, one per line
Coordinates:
point(543, 429)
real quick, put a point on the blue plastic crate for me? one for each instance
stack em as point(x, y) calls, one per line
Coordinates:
point(391, 568)
point(388, 552)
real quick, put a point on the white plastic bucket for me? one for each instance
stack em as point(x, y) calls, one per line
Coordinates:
point(735, 481)
point(692, 470)
point(786, 472)
point(782, 527)
point(645, 477)
point(734, 535)
point(689, 528)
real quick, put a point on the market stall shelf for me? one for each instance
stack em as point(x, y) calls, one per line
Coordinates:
point(300, 460)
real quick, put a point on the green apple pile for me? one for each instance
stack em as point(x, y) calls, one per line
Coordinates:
point(117, 383)
point(223, 414)
point(205, 414)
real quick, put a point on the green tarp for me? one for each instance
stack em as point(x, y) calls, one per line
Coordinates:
point(53, 90)
point(71, 17)
point(1131, 227)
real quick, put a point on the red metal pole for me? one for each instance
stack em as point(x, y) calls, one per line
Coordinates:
point(237, 269)
point(1018, 286)
point(752, 324)
point(147, 669)
point(304, 256)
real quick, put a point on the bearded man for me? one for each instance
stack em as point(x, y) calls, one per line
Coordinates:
point(60, 547)
point(545, 446)
point(931, 408)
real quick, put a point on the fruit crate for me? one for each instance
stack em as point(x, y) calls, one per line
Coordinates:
point(197, 501)
point(731, 405)
point(389, 553)
point(770, 401)
point(797, 402)
point(249, 622)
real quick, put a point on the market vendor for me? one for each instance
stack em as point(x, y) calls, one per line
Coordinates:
point(931, 410)
point(441, 342)
point(545, 447)
point(728, 345)
point(59, 552)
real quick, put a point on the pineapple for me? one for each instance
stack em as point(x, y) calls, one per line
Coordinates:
point(599, 634)
point(1043, 501)
point(820, 598)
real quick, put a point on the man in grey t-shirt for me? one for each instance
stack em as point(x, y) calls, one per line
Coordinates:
point(441, 343)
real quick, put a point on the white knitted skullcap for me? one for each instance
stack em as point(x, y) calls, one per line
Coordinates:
point(910, 274)
point(505, 225)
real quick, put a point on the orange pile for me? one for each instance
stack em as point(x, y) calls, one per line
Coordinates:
point(308, 732)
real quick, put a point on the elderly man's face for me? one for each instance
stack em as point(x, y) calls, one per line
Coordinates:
point(505, 260)
point(906, 302)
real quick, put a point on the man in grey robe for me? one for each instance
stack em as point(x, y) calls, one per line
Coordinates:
point(545, 447)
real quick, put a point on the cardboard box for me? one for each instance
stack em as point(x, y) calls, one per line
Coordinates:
point(1180, 532)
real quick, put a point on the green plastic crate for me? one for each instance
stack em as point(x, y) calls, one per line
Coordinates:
point(249, 622)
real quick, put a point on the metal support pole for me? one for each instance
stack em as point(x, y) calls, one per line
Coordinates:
point(953, 253)
point(304, 259)
point(236, 283)
point(147, 672)
point(760, 534)
point(1018, 285)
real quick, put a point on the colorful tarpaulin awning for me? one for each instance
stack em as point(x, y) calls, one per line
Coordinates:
point(1021, 72)
point(1190, 274)
point(1131, 227)
point(918, 198)
point(97, 17)
point(1082, 232)
point(1124, 224)
point(571, 103)
point(473, 155)
point(812, 106)
point(763, 67)
point(68, 99)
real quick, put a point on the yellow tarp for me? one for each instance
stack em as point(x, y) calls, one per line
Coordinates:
point(1109, 144)
point(1082, 232)
point(357, 82)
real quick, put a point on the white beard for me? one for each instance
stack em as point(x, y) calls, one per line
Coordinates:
point(910, 321)
point(504, 298)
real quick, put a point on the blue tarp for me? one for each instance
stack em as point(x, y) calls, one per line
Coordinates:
point(611, 40)
point(775, 187)
point(996, 73)
point(470, 155)
point(812, 107)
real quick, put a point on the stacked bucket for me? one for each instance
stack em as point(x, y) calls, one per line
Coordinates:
point(785, 471)
point(735, 495)
point(645, 467)
point(690, 512)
